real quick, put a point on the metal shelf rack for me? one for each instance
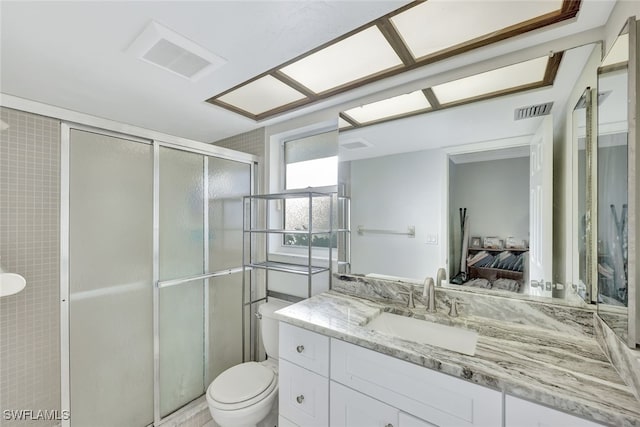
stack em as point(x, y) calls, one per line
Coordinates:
point(258, 229)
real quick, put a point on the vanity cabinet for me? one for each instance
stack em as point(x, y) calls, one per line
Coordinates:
point(522, 413)
point(431, 396)
point(360, 380)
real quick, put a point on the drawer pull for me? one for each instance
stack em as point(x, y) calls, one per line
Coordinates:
point(300, 399)
point(300, 348)
point(389, 425)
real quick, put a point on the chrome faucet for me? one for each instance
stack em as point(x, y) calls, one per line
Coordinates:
point(429, 291)
point(440, 275)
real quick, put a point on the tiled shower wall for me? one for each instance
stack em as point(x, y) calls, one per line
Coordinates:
point(29, 245)
point(251, 142)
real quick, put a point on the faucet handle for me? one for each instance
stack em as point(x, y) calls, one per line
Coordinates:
point(410, 303)
point(453, 311)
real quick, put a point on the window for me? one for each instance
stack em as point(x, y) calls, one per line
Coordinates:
point(310, 164)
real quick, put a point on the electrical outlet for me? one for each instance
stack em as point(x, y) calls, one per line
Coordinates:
point(432, 239)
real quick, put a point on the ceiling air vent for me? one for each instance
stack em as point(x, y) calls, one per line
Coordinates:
point(355, 144)
point(170, 51)
point(532, 111)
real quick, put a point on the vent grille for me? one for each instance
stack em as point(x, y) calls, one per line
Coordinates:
point(355, 144)
point(532, 111)
point(174, 58)
point(170, 51)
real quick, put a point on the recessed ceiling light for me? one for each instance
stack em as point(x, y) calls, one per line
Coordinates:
point(504, 78)
point(160, 46)
point(436, 25)
point(263, 94)
point(391, 107)
point(356, 57)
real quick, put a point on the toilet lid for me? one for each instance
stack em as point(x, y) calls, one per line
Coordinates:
point(241, 382)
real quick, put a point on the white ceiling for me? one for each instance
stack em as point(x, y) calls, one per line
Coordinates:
point(73, 55)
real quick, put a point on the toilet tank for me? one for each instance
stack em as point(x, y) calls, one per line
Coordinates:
point(269, 325)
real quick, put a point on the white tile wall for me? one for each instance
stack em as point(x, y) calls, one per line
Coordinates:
point(29, 245)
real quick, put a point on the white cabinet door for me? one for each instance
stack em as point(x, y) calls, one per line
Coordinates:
point(521, 413)
point(304, 396)
point(352, 409)
point(440, 399)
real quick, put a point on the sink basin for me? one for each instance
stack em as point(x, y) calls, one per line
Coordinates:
point(424, 332)
point(11, 283)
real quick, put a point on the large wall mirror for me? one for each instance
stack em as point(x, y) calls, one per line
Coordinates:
point(463, 181)
point(616, 185)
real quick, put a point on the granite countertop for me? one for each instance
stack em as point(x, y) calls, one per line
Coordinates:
point(567, 372)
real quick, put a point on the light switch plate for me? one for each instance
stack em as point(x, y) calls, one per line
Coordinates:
point(432, 239)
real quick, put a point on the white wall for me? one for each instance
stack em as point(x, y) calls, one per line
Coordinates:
point(394, 192)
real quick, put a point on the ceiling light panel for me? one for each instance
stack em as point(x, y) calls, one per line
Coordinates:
point(353, 58)
point(504, 78)
point(261, 95)
point(436, 25)
point(388, 108)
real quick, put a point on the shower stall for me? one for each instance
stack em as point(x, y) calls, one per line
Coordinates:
point(151, 274)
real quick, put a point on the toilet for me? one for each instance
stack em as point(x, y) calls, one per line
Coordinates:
point(246, 394)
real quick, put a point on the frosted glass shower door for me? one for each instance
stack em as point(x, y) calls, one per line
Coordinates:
point(182, 250)
point(110, 281)
point(200, 233)
point(229, 182)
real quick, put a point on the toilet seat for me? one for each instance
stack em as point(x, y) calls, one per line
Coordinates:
point(241, 386)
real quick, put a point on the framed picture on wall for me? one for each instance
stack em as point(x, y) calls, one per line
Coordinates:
point(476, 242)
point(493, 243)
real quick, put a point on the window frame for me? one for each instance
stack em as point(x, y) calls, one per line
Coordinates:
point(281, 247)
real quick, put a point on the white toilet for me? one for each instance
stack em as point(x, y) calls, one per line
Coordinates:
point(245, 394)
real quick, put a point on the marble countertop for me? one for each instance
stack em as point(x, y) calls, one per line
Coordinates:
point(567, 372)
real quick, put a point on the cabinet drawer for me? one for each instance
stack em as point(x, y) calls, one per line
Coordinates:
point(521, 413)
point(304, 348)
point(304, 396)
point(432, 396)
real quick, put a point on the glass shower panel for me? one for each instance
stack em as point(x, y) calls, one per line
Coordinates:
point(182, 306)
point(229, 181)
point(110, 280)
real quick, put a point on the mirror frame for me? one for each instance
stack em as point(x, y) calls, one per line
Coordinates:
point(634, 196)
point(633, 320)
